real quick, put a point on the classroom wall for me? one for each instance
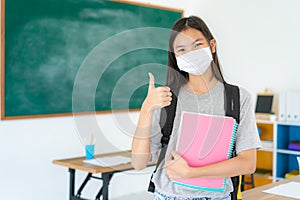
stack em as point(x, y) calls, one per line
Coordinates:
point(257, 44)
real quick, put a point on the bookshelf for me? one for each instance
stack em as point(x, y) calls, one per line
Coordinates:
point(285, 159)
point(275, 159)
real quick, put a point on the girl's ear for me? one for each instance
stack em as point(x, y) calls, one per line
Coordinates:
point(212, 43)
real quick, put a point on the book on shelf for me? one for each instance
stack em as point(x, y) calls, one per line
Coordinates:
point(292, 173)
point(294, 145)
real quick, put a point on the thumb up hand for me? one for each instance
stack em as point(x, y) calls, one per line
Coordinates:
point(157, 97)
point(151, 82)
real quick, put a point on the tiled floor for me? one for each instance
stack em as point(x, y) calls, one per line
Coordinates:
point(137, 196)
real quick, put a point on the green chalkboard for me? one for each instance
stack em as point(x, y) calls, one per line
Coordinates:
point(65, 56)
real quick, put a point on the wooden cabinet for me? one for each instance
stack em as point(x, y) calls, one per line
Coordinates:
point(264, 163)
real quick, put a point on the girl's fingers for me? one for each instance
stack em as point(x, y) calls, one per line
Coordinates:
point(165, 104)
point(164, 89)
point(159, 97)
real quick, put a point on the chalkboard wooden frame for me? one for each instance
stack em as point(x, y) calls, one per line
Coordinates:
point(3, 81)
point(2, 58)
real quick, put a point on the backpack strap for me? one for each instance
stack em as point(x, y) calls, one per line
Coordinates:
point(166, 122)
point(232, 101)
point(232, 109)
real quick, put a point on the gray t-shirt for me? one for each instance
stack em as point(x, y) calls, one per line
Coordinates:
point(209, 103)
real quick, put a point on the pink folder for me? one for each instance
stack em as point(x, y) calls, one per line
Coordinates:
point(203, 140)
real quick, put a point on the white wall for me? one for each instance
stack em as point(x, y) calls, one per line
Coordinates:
point(257, 43)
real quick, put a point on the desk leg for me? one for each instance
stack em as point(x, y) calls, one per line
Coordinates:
point(106, 179)
point(88, 177)
point(72, 183)
point(104, 190)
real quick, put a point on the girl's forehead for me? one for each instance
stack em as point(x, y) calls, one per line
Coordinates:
point(189, 35)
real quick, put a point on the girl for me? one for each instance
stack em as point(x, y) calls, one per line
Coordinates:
point(195, 77)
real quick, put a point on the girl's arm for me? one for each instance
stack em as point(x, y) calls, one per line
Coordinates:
point(243, 163)
point(141, 140)
point(156, 98)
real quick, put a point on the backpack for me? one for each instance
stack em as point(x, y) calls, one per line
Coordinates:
point(232, 109)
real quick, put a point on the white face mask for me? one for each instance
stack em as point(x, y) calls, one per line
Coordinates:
point(195, 62)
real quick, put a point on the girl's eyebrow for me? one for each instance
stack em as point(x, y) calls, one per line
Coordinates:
point(197, 40)
point(179, 46)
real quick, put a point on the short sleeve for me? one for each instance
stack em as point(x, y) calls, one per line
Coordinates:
point(155, 136)
point(247, 134)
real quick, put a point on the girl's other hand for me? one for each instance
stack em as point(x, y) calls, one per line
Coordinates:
point(177, 167)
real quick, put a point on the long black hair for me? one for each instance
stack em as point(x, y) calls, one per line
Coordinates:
point(175, 77)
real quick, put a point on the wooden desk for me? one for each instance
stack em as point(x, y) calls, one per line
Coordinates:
point(106, 173)
point(257, 193)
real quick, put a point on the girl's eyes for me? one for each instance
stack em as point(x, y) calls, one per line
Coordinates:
point(180, 50)
point(197, 45)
